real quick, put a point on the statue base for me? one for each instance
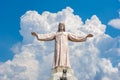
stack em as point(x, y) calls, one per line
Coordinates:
point(58, 74)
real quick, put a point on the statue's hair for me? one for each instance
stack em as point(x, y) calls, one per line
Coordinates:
point(59, 26)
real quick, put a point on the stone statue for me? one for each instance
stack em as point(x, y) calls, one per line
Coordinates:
point(61, 54)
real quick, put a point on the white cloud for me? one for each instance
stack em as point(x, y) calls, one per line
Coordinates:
point(92, 60)
point(115, 23)
point(105, 78)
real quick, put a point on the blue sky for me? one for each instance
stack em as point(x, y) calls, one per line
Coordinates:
point(12, 10)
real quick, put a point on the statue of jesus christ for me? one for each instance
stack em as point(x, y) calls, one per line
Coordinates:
point(61, 54)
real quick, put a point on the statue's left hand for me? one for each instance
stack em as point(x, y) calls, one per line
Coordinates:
point(89, 35)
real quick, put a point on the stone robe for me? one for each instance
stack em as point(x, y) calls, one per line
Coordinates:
point(61, 54)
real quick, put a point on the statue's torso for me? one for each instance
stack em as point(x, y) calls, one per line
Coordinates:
point(61, 37)
point(61, 49)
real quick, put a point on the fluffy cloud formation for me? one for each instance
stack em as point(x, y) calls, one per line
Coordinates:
point(115, 23)
point(96, 59)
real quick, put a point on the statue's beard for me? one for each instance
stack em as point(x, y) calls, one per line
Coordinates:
point(61, 30)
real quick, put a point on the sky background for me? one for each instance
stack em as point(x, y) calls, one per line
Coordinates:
point(11, 11)
point(22, 57)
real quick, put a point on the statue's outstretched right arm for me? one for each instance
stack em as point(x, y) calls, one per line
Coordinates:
point(44, 37)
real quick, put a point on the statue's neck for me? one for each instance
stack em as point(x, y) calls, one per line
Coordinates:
point(61, 31)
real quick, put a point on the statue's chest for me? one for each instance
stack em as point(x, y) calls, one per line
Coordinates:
point(61, 35)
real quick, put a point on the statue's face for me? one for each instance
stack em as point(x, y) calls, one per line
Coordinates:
point(61, 27)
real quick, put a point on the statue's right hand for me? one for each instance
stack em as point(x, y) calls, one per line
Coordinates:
point(33, 33)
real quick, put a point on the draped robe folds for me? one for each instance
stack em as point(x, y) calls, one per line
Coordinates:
point(61, 54)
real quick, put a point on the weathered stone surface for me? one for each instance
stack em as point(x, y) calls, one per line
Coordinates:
point(57, 73)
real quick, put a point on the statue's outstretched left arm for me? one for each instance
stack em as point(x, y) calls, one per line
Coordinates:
point(75, 38)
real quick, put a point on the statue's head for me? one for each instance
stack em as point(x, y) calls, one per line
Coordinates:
point(61, 27)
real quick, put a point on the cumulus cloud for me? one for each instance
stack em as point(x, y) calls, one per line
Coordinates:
point(96, 59)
